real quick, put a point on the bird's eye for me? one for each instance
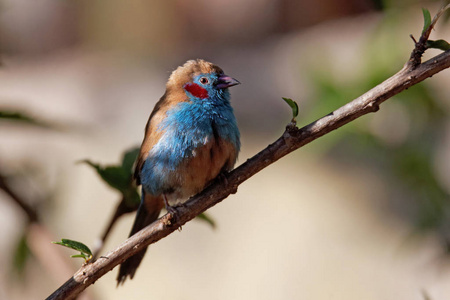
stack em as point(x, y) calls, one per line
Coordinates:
point(204, 80)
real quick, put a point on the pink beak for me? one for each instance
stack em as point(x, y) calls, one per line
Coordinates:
point(225, 81)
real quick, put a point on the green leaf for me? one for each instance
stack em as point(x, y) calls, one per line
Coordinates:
point(75, 245)
point(21, 254)
point(293, 105)
point(129, 158)
point(17, 116)
point(132, 198)
point(120, 177)
point(115, 176)
point(426, 19)
point(85, 252)
point(206, 218)
point(438, 44)
point(79, 255)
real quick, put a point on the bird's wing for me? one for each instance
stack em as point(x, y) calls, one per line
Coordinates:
point(152, 134)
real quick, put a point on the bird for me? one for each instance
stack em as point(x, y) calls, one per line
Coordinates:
point(190, 139)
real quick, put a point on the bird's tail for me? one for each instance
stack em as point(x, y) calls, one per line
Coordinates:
point(147, 213)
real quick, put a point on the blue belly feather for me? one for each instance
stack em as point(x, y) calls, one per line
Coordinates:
point(188, 126)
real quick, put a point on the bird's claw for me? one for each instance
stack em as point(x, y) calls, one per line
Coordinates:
point(222, 177)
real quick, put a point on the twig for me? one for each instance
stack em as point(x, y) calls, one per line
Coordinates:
point(292, 139)
point(29, 211)
point(38, 239)
point(421, 45)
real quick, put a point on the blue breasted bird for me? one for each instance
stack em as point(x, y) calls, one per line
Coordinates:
point(191, 137)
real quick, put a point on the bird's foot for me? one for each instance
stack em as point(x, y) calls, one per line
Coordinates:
point(222, 177)
point(171, 210)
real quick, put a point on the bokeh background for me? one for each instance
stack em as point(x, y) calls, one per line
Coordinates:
point(362, 213)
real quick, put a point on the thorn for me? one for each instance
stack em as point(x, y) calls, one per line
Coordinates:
point(374, 107)
point(412, 37)
point(234, 190)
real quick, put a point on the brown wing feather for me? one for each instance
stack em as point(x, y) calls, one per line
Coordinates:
point(149, 137)
point(152, 135)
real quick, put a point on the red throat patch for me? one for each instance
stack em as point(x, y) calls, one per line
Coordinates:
point(196, 90)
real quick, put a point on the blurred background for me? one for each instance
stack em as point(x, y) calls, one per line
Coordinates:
point(362, 213)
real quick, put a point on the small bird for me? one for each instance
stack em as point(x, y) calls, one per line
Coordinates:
point(190, 138)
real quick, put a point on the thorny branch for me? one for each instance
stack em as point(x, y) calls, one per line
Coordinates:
point(293, 138)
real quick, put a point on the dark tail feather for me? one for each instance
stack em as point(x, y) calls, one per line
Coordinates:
point(147, 213)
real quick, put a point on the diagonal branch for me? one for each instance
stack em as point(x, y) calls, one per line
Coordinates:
point(292, 139)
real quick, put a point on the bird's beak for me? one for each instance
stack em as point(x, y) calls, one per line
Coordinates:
point(225, 81)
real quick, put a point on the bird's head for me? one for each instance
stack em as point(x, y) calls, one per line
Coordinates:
point(201, 79)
